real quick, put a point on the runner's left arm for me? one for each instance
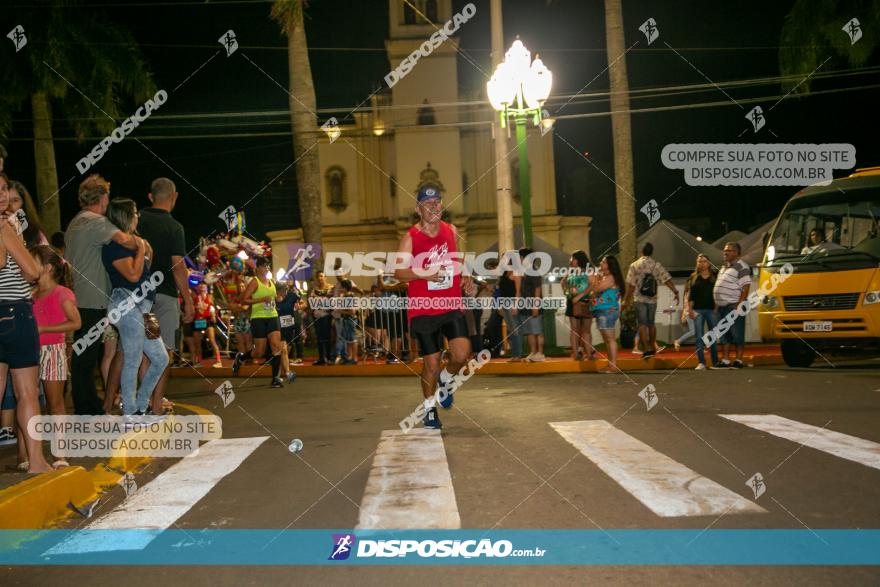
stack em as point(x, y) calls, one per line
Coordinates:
point(404, 256)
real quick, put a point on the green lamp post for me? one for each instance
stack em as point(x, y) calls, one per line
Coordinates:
point(517, 89)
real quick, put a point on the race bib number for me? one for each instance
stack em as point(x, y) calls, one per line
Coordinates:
point(286, 321)
point(446, 271)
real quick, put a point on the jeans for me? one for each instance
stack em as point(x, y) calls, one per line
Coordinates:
point(82, 367)
point(345, 333)
point(688, 333)
point(705, 321)
point(736, 334)
point(322, 332)
point(297, 335)
point(528, 324)
point(135, 344)
point(606, 319)
point(513, 334)
point(645, 313)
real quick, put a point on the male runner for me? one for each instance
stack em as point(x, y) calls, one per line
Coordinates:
point(435, 308)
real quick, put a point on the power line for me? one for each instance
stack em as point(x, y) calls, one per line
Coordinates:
point(475, 124)
point(652, 92)
point(474, 50)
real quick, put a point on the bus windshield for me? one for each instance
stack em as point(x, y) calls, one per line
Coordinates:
point(833, 230)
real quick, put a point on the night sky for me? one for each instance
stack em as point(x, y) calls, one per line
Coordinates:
point(725, 40)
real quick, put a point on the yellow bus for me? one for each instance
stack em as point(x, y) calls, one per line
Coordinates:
point(830, 302)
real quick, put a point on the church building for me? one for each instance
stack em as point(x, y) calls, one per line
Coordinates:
point(424, 131)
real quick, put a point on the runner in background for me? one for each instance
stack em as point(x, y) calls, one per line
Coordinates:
point(265, 326)
point(286, 300)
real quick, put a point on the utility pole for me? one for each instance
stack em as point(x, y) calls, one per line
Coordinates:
point(502, 167)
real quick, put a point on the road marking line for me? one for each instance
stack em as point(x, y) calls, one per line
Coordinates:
point(158, 504)
point(851, 448)
point(663, 485)
point(409, 484)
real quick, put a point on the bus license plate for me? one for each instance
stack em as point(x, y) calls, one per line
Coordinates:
point(817, 326)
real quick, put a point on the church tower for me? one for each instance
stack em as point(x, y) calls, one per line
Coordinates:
point(421, 150)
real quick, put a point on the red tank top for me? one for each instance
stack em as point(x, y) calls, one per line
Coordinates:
point(441, 297)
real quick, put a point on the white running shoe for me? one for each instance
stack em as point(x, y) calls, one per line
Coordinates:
point(700, 367)
point(7, 436)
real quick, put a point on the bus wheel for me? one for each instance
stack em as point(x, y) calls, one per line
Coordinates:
point(796, 353)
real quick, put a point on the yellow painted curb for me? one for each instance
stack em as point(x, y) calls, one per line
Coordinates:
point(496, 367)
point(42, 501)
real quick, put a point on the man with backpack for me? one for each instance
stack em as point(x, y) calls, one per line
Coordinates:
point(642, 280)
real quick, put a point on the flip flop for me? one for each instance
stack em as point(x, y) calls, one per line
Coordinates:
point(60, 464)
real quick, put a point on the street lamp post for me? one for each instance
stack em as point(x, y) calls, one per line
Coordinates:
point(517, 89)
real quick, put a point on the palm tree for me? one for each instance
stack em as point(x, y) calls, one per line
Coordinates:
point(620, 130)
point(303, 120)
point(813, 25)
point(64, 71)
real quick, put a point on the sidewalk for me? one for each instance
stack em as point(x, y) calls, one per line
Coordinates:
point(41, 501)
point(667, 360)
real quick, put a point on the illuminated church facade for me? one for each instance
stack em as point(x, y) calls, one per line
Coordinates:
point(423, 131)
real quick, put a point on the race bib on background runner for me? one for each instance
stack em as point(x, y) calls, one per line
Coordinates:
point(286, 321)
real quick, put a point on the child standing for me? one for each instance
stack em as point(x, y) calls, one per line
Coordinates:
point(56, 314)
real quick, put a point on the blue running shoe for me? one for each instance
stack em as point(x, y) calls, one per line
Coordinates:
point(432, 420)
point(291, 377)
point(447, 401)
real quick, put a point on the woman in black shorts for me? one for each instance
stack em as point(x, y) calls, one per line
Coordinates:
point(265, 326)
point(19, 340)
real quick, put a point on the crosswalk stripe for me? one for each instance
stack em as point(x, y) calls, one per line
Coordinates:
point(158, 504)
point(851, 448)
point(663, 485)
point(409, 484)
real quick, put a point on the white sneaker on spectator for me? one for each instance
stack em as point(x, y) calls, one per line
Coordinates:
point(530, 358)
point(538, 358)
point(700, 367)
point(7, 436)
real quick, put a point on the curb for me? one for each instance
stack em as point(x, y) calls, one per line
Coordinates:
point(42, 501)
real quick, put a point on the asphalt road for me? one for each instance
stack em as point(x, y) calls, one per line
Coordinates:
point(510, 468)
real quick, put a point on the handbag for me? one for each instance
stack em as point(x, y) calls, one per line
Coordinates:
point(581, 309)
point(151, 326)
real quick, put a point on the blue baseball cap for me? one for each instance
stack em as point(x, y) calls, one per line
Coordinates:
point(428, 192)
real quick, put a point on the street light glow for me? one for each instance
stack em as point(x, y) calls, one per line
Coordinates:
point(537, 83)
point(501, 87)
point(518, 59)
point(519, 86)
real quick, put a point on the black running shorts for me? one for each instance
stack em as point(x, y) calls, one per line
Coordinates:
point(261, 327)
point(430, 330)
